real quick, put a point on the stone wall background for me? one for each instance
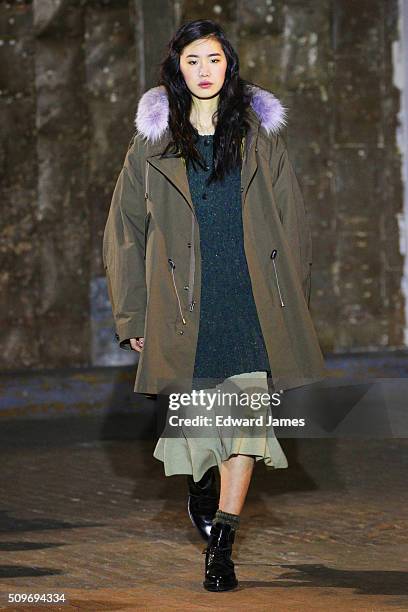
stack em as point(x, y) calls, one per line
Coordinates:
point(70, 78)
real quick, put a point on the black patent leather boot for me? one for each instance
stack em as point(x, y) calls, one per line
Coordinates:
point(203, 502)
point(219, 567)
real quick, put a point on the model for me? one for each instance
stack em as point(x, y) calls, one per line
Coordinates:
point(207, 252)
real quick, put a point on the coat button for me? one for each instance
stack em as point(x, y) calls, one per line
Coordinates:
point(186, 287)
point(207, 167)
point(181, 332)
point(206, 142)
point(189, 245)
point(204, 196)
point(242, 189)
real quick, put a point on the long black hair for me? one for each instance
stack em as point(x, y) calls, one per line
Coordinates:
point(234, 100)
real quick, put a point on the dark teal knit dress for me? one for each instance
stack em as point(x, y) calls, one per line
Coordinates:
point(230, 339)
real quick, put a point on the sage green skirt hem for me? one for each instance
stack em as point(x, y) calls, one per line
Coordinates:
point(197, 455)
point(186, 452)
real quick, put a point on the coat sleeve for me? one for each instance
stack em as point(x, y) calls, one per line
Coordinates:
point(123, 251)
point(293, 213)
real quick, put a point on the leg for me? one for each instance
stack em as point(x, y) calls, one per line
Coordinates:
point(236, 475)
point(203, 502)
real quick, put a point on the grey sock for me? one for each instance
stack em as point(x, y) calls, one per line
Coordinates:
point(226, 517)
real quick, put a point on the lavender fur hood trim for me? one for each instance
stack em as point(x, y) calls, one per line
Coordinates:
point(153, 111)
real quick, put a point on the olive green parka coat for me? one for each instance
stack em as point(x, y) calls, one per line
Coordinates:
point(151, 251)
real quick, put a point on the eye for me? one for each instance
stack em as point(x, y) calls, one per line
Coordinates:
point(213, 61)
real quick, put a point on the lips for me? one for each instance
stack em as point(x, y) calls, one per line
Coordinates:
point(205, 84)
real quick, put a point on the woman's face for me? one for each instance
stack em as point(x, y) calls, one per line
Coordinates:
point(203, 61)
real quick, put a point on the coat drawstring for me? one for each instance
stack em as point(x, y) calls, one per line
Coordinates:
point(148, 215)
point(192, 267)
point(173, 265)
point(146, 230)
point(273, 256)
